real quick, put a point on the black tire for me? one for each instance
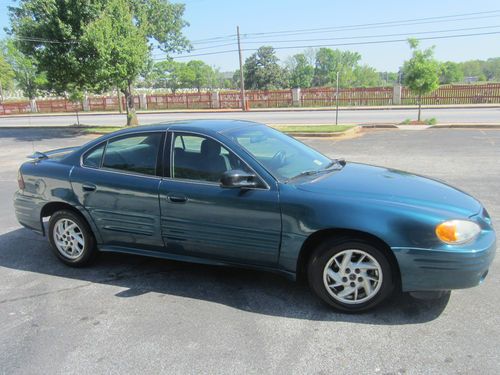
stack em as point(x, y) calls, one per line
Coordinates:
point(332, 247)
point(89, 249)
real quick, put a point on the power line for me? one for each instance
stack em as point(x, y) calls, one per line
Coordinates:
point(390, 41)
point(376, 23)
point(364, 36)
point(338, 44)
point(350, 37)
point(355, 28)
point(415, 21)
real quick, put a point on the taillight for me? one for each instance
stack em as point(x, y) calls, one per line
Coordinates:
point(20, 180)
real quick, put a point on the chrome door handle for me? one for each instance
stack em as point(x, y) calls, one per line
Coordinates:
point(177, 198)
point(88, 187)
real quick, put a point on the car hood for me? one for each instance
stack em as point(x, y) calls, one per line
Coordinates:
point(361, 181)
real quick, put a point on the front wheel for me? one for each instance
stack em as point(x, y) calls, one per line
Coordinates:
point(71, 238)
point(350, 275)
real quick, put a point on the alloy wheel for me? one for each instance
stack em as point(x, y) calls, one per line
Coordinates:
point(352, 276)
point(68, 238)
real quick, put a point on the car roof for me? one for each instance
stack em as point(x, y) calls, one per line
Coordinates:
point(200, 125)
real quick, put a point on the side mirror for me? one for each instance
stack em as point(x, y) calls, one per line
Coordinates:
point(237, 178)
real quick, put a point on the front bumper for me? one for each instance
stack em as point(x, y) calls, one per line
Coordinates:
point(450, 267)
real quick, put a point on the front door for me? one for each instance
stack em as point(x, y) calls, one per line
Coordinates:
point(118, 185)
point(200, 218)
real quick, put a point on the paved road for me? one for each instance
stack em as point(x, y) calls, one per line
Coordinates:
point(454, 115)
point(136, 315)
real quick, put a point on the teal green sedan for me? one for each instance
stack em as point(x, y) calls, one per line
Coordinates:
point(239, 193)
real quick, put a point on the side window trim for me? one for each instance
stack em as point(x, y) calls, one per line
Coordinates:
point(174, 133)
point(89, 151)
point(167, 155)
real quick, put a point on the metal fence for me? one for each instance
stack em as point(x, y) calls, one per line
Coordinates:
point(14, 108)
point(457, 94)
point(58, 106)
point(179, 101)
point(325, 97)
point(312, 97)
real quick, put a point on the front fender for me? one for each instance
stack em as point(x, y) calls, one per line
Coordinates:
point(395, 223)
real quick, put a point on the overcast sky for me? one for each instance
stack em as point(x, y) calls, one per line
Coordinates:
point(218, 18)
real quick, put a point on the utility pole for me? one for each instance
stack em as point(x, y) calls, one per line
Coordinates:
point(337, 102)
point(242, 82)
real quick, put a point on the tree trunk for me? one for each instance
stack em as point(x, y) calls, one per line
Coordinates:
point(120, 104)
point(419, 107)
point(131, 113)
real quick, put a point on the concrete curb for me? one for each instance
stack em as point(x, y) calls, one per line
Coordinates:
point(466, 126)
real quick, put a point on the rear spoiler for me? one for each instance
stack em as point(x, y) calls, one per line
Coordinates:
point(37, 155)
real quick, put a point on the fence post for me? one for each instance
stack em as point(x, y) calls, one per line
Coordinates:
point(214, 100)
point(86, 104)
point(296, 97)
point(396, 94)
point(143, 102)
point(33, 106)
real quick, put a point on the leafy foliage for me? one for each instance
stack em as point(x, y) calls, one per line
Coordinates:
point(365, 76)
point(96, 44)
point(421, 72)
point(174, 75)
point(6, 76)
point(26, 74)
point(450, 73)
point(329, 62)
point(301, 71)
point(262, 71)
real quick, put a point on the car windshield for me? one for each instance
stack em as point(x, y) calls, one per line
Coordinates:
point(283, 156)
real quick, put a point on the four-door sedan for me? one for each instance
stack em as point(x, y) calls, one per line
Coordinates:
point(240, 193)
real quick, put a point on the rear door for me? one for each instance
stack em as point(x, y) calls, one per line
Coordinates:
point(202, 219)
point(118, 184)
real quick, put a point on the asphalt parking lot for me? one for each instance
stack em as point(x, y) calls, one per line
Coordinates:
point(136, 315)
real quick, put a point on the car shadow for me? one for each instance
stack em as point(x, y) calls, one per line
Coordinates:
point(247, 290)
point(41, 134)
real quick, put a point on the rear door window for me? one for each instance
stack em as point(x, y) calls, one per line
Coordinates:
point(135, 153)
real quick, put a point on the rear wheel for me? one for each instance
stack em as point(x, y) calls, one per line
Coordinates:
point(350, 275)
point(71, 238)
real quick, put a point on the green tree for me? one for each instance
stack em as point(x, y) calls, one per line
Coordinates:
point(492, 69)
point(262, 71)
point(450, 73)
point(473, 68)
point(6, 76)
point(26, 74)
point(389, 78)
point(421, 72)
point(329, 62)
point(301, 71)
point(365, 76)
point(202, 75)
point(96, 44)
point(172, 75)
point(121, 50)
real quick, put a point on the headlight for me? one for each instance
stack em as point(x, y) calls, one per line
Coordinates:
point(456, 232)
